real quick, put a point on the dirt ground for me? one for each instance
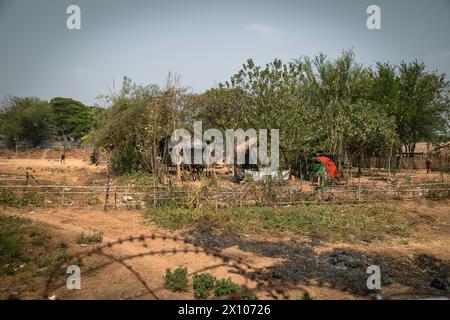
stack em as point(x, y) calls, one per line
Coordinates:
point(46, 167)
point(325, 270)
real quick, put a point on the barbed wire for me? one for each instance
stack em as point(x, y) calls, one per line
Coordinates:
point(256, 279)
point(258, 276)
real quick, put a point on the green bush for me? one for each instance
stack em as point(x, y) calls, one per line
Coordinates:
point(203, 285)
point(306, 296)
point(250, 296)
point(177, 280)
point(225, 287)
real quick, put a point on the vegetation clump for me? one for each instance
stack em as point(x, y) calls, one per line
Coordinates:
point(89, 238)
point(177, 280)
point(203, 285)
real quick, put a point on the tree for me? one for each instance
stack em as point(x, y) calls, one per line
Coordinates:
point(418, 101)
point(331, 88)
point(139, 119)
point(270, 100)
point(72, 117)
point(27, 119)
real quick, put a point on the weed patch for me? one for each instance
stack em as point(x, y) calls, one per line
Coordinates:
point(203, 285)
point(89, 238)
point(177, 280)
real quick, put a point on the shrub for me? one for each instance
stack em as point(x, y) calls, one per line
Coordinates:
point(176, 280)
point(250, 296)
point(225, 287)
point(203, 285)
point(306, 296)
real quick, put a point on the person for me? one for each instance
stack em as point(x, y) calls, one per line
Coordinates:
point(63, 156)
point(428, 165)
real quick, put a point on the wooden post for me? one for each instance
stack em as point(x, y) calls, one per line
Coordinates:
point(105, 208)
point(115, 199)
point(63, 195)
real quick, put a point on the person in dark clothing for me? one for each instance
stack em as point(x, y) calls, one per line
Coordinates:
point(428, 165)
point(63, 157)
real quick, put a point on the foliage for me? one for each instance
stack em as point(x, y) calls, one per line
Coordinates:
point(418, 101)
point(203, 285)
point(140, 178)
point(306, 296)
point(25, 119)
point(94, 237)
point(332, 222)
point(25, 246)
point(26, 198)
point(73, 118)
point(31, 120)
point(225, 287)
point(337, 106)
point(139, 120)
point(11, 241)
point(7, 196)
point(250, 296)
point(177, 280)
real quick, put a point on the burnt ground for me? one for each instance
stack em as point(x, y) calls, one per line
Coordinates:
point(343, 269)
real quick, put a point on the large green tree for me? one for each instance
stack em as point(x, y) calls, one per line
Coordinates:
point(418, 100)
point(26, 119)
point(72, 118)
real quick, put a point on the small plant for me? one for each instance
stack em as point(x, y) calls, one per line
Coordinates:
point(95, 237)
point(250, 296)
point(43, 262)
point(306, 296)
point(177, 280)
point(8, 270)
point(64, 256)
point(248, 177)
point(203, 285)
point(225, 287)
point(63, 245)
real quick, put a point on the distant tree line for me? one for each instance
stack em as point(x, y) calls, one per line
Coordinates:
point(31, 120)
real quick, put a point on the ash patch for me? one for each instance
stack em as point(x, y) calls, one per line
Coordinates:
point(344, 269)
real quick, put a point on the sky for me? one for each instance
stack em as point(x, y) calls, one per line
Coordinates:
point(202, 41)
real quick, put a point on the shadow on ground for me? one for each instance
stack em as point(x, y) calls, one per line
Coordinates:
point(344, 269)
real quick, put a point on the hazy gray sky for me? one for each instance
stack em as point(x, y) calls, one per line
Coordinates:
point(204, 42)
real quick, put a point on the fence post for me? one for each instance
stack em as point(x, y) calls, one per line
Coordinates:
point(115, 198)
point(105, 208)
